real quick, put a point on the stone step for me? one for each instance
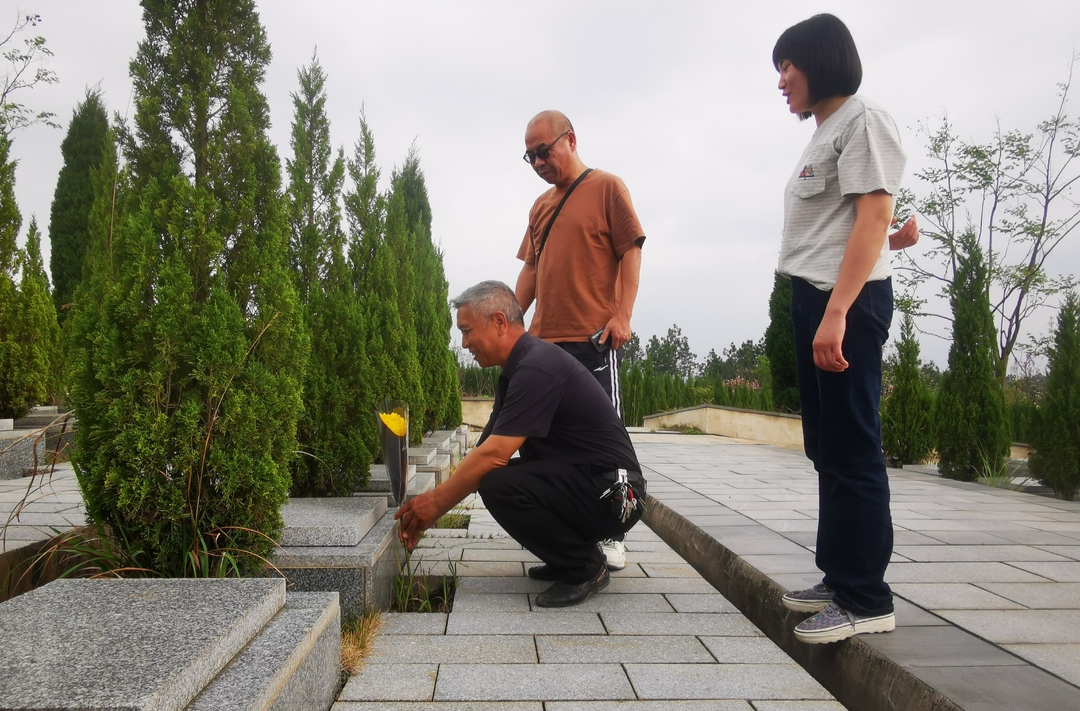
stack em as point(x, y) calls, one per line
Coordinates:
point(439, 466)
point(293, 663)
point(422, 454)
point(144, 645)
point(336, 521)
point(440, 439)
point(361, 574)
point(20, 452)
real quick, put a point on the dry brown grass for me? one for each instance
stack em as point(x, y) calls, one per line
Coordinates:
point(357, 633)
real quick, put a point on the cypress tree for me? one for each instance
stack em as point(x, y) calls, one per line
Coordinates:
point(780, 347)
point(1055, 441)
point(16, 380)
point(432, 320)
point(41, 339)
point(190, 345)
point(337, 422)
point(906, 434)
point(83, 150)
point(375, 282)
point(970, 423)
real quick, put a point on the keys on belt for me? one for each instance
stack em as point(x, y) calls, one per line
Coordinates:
point(622, 497)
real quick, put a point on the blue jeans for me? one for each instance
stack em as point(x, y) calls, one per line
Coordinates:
point(842, 437)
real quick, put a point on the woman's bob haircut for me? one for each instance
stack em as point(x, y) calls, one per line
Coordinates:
point(821, 48)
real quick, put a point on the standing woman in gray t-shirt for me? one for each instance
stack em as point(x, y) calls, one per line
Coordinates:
point(838, 205)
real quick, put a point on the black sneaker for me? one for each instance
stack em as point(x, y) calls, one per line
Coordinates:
point(567, 594)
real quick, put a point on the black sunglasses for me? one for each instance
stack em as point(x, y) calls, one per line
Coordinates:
point(542, 152)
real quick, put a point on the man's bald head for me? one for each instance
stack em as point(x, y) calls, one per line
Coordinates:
point(556, 120)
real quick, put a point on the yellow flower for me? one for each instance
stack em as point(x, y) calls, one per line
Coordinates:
point(394, 422)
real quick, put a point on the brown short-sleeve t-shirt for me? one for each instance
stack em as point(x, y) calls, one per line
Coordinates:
point(579, 266)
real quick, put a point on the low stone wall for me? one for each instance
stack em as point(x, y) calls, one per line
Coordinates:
point(476, 411)
point(771, 427)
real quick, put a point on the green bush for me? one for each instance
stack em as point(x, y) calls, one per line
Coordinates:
point(906, 432)
point(780, 348)
point(971, 432)
point(1055, 441)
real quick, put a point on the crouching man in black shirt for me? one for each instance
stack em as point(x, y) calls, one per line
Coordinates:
point(577, 480)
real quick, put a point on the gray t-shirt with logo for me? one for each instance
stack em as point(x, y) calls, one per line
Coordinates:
point(854, 152)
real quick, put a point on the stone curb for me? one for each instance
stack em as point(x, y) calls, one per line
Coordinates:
point(859, 676)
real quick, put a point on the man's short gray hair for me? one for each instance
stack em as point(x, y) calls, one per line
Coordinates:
point(489, 297)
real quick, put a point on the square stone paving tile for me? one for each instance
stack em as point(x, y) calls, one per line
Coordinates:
point(472, 569)
point(1039, 596)
point(540, 682)
point(745, 650)
point(666, 705)
point(510, 584)
point(658, 585)
point(438, 706)
point(606, 602)
point(954, 596)
point(391, 682)
point(502, 555)
point(1020, 626)
point(1001, 688)
point(1060, 659)
point(490, 602)
point(938, 647)
point(776, 564)
point(797, 706)
point(412, 623)
point(1071, 551)
point(684, 623)
point(446, 649)
point(723, 681)
point(705, 602)
point(772, 544)
point(670, 570)
point(578, 649)
point(1060, 572)
point(482, 623)
point(962, 573)
point(963, 553)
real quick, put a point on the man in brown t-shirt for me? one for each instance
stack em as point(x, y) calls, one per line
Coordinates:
point(583, 275)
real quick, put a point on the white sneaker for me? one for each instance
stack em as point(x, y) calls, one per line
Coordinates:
point(615, 552)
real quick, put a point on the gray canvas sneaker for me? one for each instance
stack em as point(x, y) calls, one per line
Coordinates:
point(835, 623)
point(813, 599)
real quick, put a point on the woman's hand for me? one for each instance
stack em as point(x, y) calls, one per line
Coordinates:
point(828, 342)
point(906, 236)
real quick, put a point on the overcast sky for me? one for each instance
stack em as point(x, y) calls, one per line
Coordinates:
point(678, 98)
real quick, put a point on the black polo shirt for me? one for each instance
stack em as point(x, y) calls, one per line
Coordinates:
point(546, 396)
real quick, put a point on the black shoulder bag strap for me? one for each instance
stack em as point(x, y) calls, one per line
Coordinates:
point(547, 230)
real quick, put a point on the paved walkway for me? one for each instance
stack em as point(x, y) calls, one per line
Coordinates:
point(32, 508)
point(987, 585)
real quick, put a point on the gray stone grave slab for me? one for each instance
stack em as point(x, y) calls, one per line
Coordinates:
point(422, 454)
point(20, 452)
point(292, 664)
point(339, 521)
point(137, 645)
point(361, 574)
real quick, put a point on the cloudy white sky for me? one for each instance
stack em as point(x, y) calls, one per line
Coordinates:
point(677, 97)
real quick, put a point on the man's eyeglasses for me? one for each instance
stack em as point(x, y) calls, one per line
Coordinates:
point(543, 152)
